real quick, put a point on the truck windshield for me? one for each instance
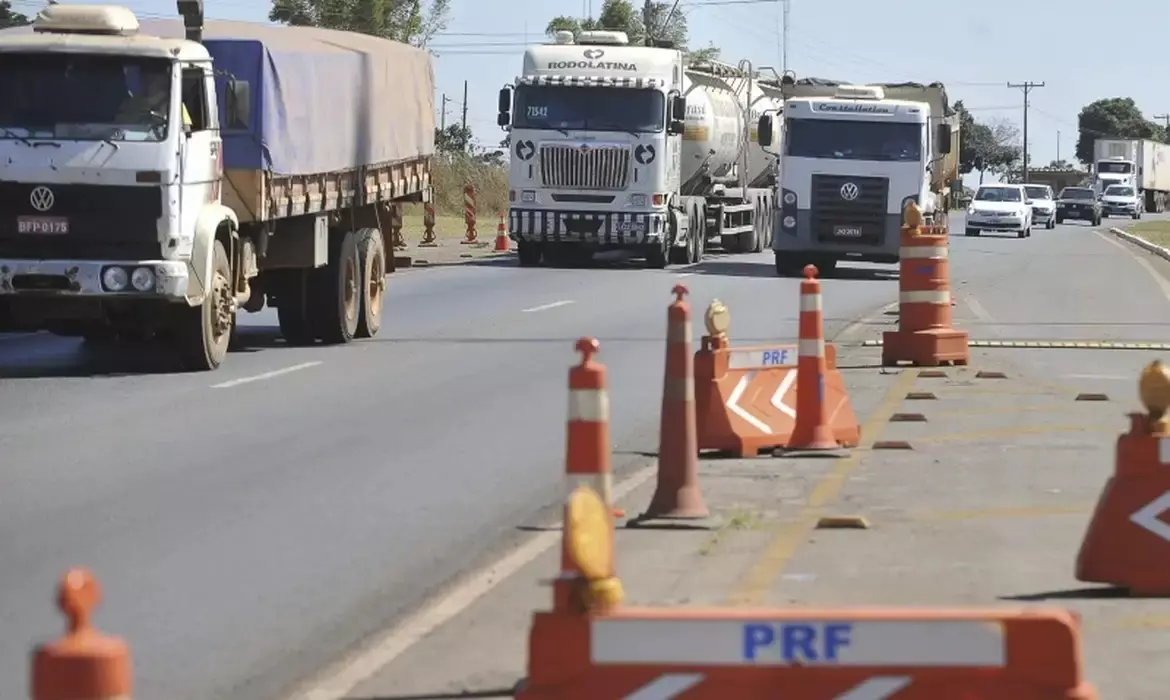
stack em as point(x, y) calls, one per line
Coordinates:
point(589, 108)
point(853, 140)
point(1122, 168)
point(84, 97)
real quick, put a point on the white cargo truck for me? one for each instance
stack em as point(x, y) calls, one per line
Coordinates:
point(852, 158)
point(1139, 163)
point(156, 180)
point(619, 147)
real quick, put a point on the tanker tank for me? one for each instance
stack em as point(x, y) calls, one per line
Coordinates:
point(713, 131)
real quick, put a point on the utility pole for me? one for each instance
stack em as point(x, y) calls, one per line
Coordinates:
point(443, 113)
point(1165, 119)
point(647, 13)
point(784, 34)
point(1058, 145)
point(465, 106)
point(1027, 87)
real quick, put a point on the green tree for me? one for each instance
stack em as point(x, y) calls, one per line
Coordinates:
point(985, 147)
point(8, 18)
point(454, 139)
point(407, 21)
point(622, 16)
point(1114, 117)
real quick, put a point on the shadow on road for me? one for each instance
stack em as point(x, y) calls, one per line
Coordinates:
point(744, 268)
point(1095, 593)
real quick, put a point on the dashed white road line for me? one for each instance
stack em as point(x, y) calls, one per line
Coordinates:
point(546, 307)
point(340, 682)
point(980, 312)
point(267, 375)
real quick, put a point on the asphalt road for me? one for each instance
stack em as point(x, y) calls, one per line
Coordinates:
point(249, 524)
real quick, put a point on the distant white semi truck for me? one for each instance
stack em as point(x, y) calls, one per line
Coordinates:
point(619, 147)
point(851, 158)
point(1139, 163)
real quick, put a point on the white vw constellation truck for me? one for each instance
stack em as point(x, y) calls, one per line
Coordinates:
point(619, 147)
point(154, 181)
point(853, 157)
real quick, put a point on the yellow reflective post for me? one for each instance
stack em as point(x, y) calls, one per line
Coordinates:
point(1154, 390)
point(912, 219)
point(589, 532)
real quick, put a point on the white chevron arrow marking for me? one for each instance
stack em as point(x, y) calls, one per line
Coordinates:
point(876, 688)
point(667, 687)
point(781, 392)
point(734, 407)
point(1149, 516)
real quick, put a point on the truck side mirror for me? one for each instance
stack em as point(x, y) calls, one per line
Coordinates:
point(944, 135)
point(505, 107)
point(764, 130)
point(678, 107)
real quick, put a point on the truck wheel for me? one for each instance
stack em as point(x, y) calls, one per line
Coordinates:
point(292, 306)
point(528, 253)
point(337, 292)
point(203, 332)
point(372, 253)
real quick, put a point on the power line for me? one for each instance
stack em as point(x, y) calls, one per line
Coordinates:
point(1027, 87)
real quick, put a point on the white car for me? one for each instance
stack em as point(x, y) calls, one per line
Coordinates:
point(1043, 205)
point(1000, 208)
point(1121, 200)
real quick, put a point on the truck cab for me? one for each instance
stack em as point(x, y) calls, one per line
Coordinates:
point(594, 128)
point(851, 162)
point(110, 190)
point(1114, 171)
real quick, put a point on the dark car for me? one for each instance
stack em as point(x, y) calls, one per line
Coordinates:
point(1078, 203)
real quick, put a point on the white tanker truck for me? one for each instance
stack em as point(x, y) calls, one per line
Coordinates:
point(619, 147)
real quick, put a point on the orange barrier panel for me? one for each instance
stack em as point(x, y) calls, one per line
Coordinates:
point(602, 651)
point(677, 495)
point(746, 397)
point(924, 337)
point(502, 242)
point(469, 215)
point(84, 664)
point(1128, 540)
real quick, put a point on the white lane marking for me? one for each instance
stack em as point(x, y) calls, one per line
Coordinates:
point(338, 682)
point(1129, 249)
point(267, 375)
point(876, 688)
point(546, 307)
point(684, 274)
point(666, 687)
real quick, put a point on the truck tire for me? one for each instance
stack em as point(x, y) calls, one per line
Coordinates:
point(337, 294)
point(688, 253)
point(529, 254)
point(372, 255)
point(292, 306)
point(202, 333)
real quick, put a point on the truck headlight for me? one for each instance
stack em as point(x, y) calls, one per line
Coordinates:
point(789, 222)
point(638, 200)
point(115, 279)
point(789, 198)
point(142, 279)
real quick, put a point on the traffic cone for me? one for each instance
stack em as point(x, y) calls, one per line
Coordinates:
point(812, 430)
point(84, 664)
point(502, 244)
point(587, 446)
point(677, 496)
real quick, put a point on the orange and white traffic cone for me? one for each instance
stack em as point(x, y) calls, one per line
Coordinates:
point(502, 243)
point(677, 496)
point(84, 664)
point(812, 430)
point(587, 446)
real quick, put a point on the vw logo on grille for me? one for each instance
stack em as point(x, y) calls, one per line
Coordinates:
point(850, 191)
point(41, 198)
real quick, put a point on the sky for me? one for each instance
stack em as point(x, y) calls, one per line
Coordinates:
point(974, 48)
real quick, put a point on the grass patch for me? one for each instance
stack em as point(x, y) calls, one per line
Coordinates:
point(1156, 232)
point(737, 520)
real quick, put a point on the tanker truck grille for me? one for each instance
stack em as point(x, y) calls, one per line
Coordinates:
point(598, 168)
point(837, 217)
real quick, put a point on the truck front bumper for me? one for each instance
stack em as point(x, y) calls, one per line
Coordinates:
point(88, 278)
point(600, 229)
point(880, 245)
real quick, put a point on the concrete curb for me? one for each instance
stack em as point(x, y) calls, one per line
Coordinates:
point(1142, 243)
